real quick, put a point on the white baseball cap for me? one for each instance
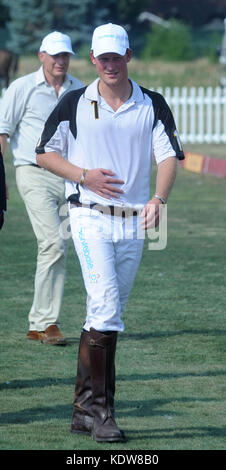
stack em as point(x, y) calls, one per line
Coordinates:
point(109, 38)
point(55, 43)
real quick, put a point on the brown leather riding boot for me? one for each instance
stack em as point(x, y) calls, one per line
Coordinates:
point(82, 418)
point(102, 357)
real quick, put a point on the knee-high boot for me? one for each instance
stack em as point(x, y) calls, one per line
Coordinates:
point(102, 359)
point(82, 418)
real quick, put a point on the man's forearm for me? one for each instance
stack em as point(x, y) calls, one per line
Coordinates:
point(99, 180)
point(166, 175)
point(3, 143)
point(58, 165)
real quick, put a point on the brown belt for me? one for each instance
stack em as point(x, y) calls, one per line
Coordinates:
point(116, 211)
point(34, 164)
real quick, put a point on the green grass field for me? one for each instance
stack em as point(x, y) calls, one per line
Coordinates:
point(171, 359)
point(153, 73)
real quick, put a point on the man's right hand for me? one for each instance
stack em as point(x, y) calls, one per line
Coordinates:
point(7, 191)
point(102, 182)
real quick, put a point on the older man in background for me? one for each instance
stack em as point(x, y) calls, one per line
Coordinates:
point(25, 107)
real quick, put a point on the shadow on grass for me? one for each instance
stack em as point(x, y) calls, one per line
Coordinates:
point(136, 408)
point(37, 383)
point(171, 376)
point(178, 433)
point(145, 408)
point(64, 412)
point(30, 415)
point(162, 334)
point(48, 381)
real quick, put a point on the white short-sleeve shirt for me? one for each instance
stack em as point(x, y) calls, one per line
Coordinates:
point(25, 107)
point(86, 130)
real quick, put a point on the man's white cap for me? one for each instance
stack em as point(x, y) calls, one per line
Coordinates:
point(55, 43)
point(109, 38)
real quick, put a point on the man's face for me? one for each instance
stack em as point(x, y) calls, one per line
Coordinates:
point(111, 67)
point(55, 66)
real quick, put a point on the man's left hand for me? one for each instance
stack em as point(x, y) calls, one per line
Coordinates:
point(150, 214)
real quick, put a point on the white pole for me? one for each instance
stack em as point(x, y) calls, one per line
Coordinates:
point(209, 121)
point(192, 114)
point(200, 136)
point(184, 117)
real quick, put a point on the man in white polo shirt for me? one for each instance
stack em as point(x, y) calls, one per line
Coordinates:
point(24, 109)
point(109, 130)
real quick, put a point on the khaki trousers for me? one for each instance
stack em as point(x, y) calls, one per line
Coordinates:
point(43, 195)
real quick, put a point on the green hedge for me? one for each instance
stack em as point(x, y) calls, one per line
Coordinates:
point(180, 43)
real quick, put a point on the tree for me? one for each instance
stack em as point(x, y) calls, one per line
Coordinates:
point(174, 43)
point(30, 20)
point(78, 19)
point(4, 14)
point(194, 12)
point(127, 13)
point(3, 19)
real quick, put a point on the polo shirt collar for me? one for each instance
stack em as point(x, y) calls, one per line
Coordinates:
point(92, 94)
point(137, 94)
point(40, 78)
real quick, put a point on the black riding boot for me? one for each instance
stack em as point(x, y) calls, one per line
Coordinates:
point(82, 418)
point(102, 359)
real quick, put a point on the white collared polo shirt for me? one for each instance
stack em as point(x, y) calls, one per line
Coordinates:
point(25, 107)
point(90, 134)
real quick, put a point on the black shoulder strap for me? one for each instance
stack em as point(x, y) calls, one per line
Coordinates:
point(66, 110)
point(159, 104)
point(162, 112)
point(2, 191)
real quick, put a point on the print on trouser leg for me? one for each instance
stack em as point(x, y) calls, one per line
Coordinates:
point(97, 262)
point(108, 267)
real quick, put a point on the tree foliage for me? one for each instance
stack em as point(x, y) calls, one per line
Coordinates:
point(23, 23)
point(30, 20)
point(193, 12)
point(174, 43)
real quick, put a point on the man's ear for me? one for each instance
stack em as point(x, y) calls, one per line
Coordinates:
point(129, 54)
point(93, 60)
point(41, 56)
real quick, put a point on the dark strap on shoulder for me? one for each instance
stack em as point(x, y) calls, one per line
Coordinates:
point(2, 190)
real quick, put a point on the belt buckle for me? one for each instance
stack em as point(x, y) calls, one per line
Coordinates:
point(124, 212)
point(118, 211)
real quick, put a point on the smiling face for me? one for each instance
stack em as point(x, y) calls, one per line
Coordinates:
point(55, 66)
point(112, 67)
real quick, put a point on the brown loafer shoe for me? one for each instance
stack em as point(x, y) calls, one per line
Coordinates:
point(34, 335)
point(52, 335)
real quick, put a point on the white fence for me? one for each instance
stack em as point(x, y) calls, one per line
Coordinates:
point(199, 113)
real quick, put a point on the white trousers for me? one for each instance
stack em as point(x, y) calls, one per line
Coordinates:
point(109, 254)
point(43, 195)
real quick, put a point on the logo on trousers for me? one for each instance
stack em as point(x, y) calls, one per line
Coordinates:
point(93, 276)
point(157, 235)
